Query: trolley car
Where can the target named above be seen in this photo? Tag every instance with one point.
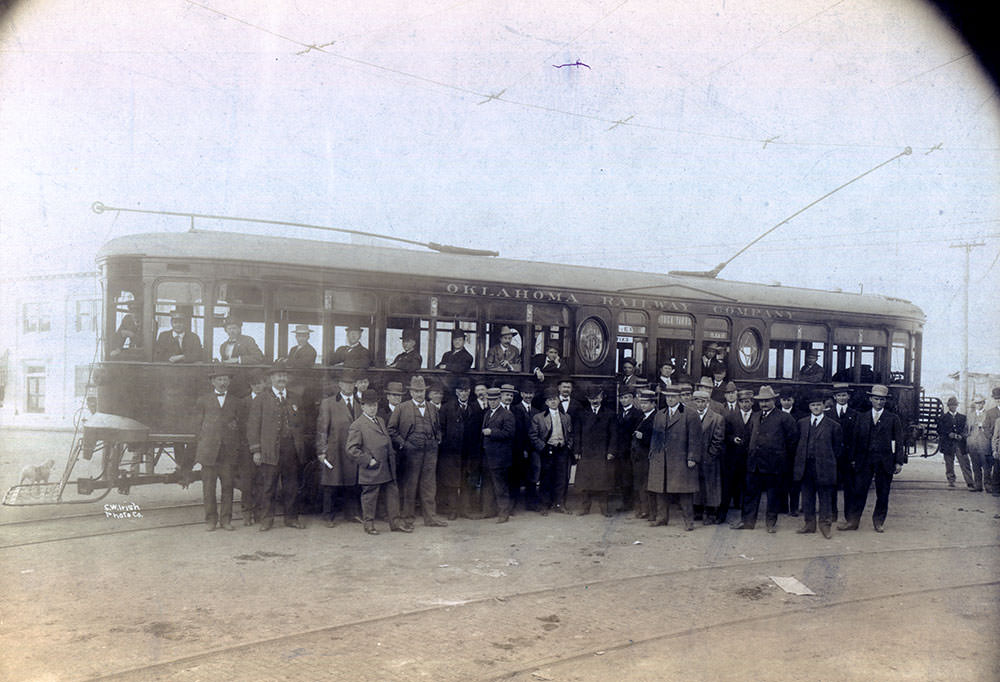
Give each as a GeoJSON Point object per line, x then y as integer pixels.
{"type": "Point", "coordinates": [597, 317]}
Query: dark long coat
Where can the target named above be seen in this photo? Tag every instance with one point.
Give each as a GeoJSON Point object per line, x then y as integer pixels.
{"type": "Point", "coordinates": [221, 430]}
{"type": "Point", "coordinates": [365, 440]}
{"type": "Point", "coordinates": [827, 444]}
{"type": "Point", "coordinates": [713, 443]}
{"type": "Point", "coordinates": [772, 442]}
{"type": "Point", "coordinates": [676, 440]}
{"type": "Point", "coordinates": [460, 434]}
{"type": "Point", "coordinates": [332, 424]}
{"type": "Point", "coordinates": [498, 446]}
{"type": "Point", "coordinates": [595, 438]}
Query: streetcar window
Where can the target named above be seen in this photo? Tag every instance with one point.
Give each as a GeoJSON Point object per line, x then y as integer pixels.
{"type": "Point", "coordinates": [454, 313]}
{"type": "Point", "coordinates": [348, 328]}
{"type": "Point", "coordinates": [351, 345]}
{"type": "Point", "coordinates": [632, 342]}
{"type": "Point", "coordinates": [242, 303]}
{"type": "Point", "coordinates": [675, 341]}
{"type": "Point", "coordinates": [791, 350]}
{"type": "Point", "coordinates": [780, 360]}
{"type": "Point", "coordinates": [299, 318]}
{"type": "Point", "coordinates": [859, 355]}
{"type": "Point", "coordinates": [715, 347]}
{"type": "Point", "coordinates": [443, 341]}
{"type": "Point", "coordinates": [898, 370]}
{"type": "Point", "coordinates": [183, 297]}
{"type": "Point", "coordinates": [125, 323]}
{"type": "Point", "coordinates": [400, 333]}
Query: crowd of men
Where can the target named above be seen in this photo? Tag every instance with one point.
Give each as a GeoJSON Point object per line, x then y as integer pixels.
{"type": "Point", "coordinates": [974, 440]}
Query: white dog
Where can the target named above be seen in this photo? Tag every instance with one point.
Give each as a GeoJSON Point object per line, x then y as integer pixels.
{"type": "Point", "coordinates": [36, 475]}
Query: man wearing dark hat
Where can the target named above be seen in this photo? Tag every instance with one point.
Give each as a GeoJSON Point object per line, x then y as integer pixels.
{"type": "Point", "coordinates": [410, 359]}
{"type": "Point", "coordinates": [392, 399]}
{"type": "Point", "coordinates": [504, 356]}
{"type": "Point", "coordinates": [498, 435]}
{"type": "Point", "coordinates": [460, 438]}
{"type": "Point", "coordinates": [415, 431]}
{"type": "Point", "coordinates": [457, 360]}
{"type": "Point", "coordinates": [221, 420]}
{"type": "Point", "coordinates": [628, 376]}
{"type": "Point", "coordinates": [177, 344]}
{"type": "Point", "coordinates": [238, 348]}
{"type": "Point", "coordinates": [625, 417]}
{"type": "Point", "coordinates": [674, 454]}
{"type": "Point", "coordinates": [789, 502]}
{"type": "Point", "coordinates": [711, 446]}
{"type": "Point", "coordinates": [640, 439]}
{"type": "Point", "coordinates": [526, 466]}
{"type": "Point", "coordinates": [821, 441]}
{"type": "Point", "coordinates": [275, 437]}
{"type": "Point", "coordinates": [338, 469]}
{"type": "Point", "coordinates": [734, 460]}
{"type": "Point", "coordinates": [952, 429]}
{"type": "Point", "coordinates": [551, 434]}
{"type": "Point", "coordinates": [878, 452]}
{"type": "Point", "coordinates": [352, 355]}
{"type": "Point", "coordinates": [812, 371]}
{"type": "Point", "coordinates": [773, 437]}
{"type": "Point", "coordinates": [846, 416]}
{"type": "Point", "coordinates": [302, 354]}
{"type": "Point", "coordinates": [595, 452]}
{"type": "Point", "coordinates": [369, 444]}
{"type": "Point", "coordinates": [725, 395]}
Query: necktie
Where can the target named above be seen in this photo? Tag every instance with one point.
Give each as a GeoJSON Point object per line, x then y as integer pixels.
{"type": "Point", "coordinates": [815, 421]}
{"type": "Point", "coordinates": [595, 410]}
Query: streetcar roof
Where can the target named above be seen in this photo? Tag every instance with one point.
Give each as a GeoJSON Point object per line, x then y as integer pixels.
{"type": "Point", "coordinates": [200, 245]}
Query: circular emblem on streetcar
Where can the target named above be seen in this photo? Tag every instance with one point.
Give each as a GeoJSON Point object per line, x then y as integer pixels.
{"type": "Point", "coordinates": [592, 341]}
{"type": "Point", "coordinates": [748, 350]}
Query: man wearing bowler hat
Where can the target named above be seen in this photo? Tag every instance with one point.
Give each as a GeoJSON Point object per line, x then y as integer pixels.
{"type": "Point", "coordinates": [846, 416]}
{"type": "Point", "coordinates": [220, 420]}
{"type": "Point", "coordinates": [302, 354]}
{"type": "Point", "coordinates": [409, 360]}
{"type": "Point", "coordinates": [734, 460]}
{"type": "Point", "coordinates": [504, 356]}
{"type": "Point", "coordinates": [952, 429]}
{"type": "Point", "coordinates": [878, 452]}
{"type": "Point", "coordinates": [461, 424]}
{"type": "Point", "coordinates": [238, 348]}
{"type": "Point", "coordinates": [821, 440]}
{"type": "Point", "coordinates": [457, 360]}
{"type": "Point", "coordinates": [177, 344]}
{"type": "Point", "coordinates": [812, 371]}
{"type": "Point", "coordinates": [352, 355]}
{"type": "Point", "coordinates": [416, 432]}
{"type": "Point", "coordinates": [338, 469]}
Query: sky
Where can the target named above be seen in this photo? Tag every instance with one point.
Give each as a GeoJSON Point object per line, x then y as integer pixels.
{"type": "Point", "coordinates": [637, 134]}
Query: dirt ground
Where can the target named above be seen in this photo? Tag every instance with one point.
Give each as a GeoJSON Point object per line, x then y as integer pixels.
{"type": "Point", "coordinates": [540, 598]}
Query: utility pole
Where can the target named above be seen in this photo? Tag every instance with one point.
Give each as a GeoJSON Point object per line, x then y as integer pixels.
{"type": "Point", "coordinates": [963, 376]}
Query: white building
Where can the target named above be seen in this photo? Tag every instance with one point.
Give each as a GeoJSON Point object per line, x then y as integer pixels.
{"type": "Point", "coordinates": [49, 328]}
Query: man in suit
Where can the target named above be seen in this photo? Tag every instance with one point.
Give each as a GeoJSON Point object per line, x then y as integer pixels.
{"type": "Point", "coordinates": [246, 473]}
{"type": "Point", "coordinates": [674, 453]}
{"type": "Point", "coordinates": [219, 419]}
{"type": "Point", "coordinates": [498, 436]}
{"type": "Point", "coordinates": [789, 502]}
{"type": "Point", "coordinates": [416, 432]}
{"type": "Point", "coordinates": [708, 385]}
{"type": "Point", "coordinates": [773, 437]}
{"type": "Point", "coordinates": [952, 429]}
{"type": "Point", "coordinates": [526, 467]}
{"type": "Point", "coordinates": [457, 360]}
{"type": "Point", "coordinates": [238, 348]}
{"type": "Point", "coordinates": [338, 469]}
{"type": "Point", "coordinates": [711, 446]}
{"type": "Point", "coordinates": [624, 426]}
{"type": "Point", "coordinates": [275, 437]}
{"type": "Point", "coordinates": [352, 355]}
{"type": "Point", "coordinates": [821, 441]}
{"type": "Point", "coordinates": [724, 393]}
{"type": "Point", "coordinates": [978, 443]}
{"type": "Point", "coordinates": [177, 344]}
{"type": "Point", "coordinates": [391, 400]}
{"type": "Point", "coordinates": [504, 356]}
{"type": "Point", "coordinates": [846, 416]}
{"type": "Point", "coordinates": [628, 376]}
{"type": "Point", "coordinates": [877, 451]}
{"type": "Point", "coordinates": [551, 434]}
{"type": "Point", "coordinates": [302, 354]}
{"type": "Point", "coordinates": [549, 367]}
{"type": "Point", "coordinates": [640, 439]}
{"type": "Point", "coordinates": [461, 424]}
{"type": "Point", "coordinates": [410, 359]}
{"type": "Point", "coordinates": [991, 475]}
{"type": "Point", "coordinates": [812, 371]}
{"type": "Point", "coordinates": [369, 445]}
{"type": "Point", "coordinates": [596, 447]}
{"type": "Point", "coordinates": [734, 461]}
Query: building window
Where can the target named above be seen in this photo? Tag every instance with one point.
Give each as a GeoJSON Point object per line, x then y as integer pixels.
{"type": "Point", "coordinates": [81, 379]}
{"type": "Point", "coordinates": [37, 318]}
{"type": "Point", "coordinates": [35, 388]}
{"type": "Point", "coordinates": [86, 316]}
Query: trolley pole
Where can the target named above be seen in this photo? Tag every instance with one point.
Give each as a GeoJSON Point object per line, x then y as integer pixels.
{"type": "Point", "coordinates": [963, 376]}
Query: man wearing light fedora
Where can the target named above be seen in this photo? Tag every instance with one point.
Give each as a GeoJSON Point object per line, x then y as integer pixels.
{"type": "Point", "coordinates": [302, 354]}
{"type": "Point", "coordinates": [504, 356]}
{"type": "Point", "coordinates": [416, 432]}
{"type": "Point", "coordinates": [878, 452]}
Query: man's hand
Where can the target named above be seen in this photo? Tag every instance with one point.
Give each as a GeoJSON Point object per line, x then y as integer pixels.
{"type": "Point", "coordinates": [257, 458]}
{"type": "Point", "coordinates": [691, 464]}
{"type": "Point", "coordinates": [899, 467]}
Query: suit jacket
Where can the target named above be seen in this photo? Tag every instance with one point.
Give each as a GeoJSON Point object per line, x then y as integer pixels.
{"type": "Point", "coordinates": [498, 446]}
{"type": "Point", "coordinates": [594, 439]}
{"type": "Point", "coordinates": [847, 422]}
{"type": "Point", "coordinates": [712, 446]}
{"type": "Point", "coordinates": [540, 430]}
{"type": "Point", "coordinates": [497, 354]}
{"type": "Point", "coordinates": [643, 426]}
{"type": "Point", "coordinates": [873, 442]}
{"type": "Point", "coordinates": [676, 440]}
{"type": "Point", "coordinates": [366, 440]}
{"type": "Point", "coordinates": [522, 422]}
{"type": "Point", "coordinates": [990, 423]}
{"type": "Point", "coordinates": [457, 361]}
{"type": "Point", "coordinates": [302, 356]}
{"type": "Point", "coordinates": [625, 422]}
{"type": "Point", "coordinates": [952, 430]}
{"type": "Point", "coordinates": [332, 423]}
{"type": "Point", "coordinates": [221, 430]}
{"type": "Point", "coordinates": [736, 453]}
{"type": "Point", "coordinates": [825, 443]}
{"type": "Point", "coordinates": [263, 424]}
{"type": "Point", "coordinates": [356, 357]}
{"type": "Point", "coordinates": [404, 419]}
{"type": "Point", "coordinates": [244, 350]}
{"type": "Point", "coordinates": [407, 362]}
{"type": "Point", "coordinates": [978, 441]}
{"type": "Point", "coordinates": [166, 346]}
{"type": "Point", "coordinates": [772, 442]}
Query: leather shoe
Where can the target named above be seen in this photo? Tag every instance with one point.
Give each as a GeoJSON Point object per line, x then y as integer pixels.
{"type": "Point", "coordinates": [370, 529]}
{"type": "Point", "coordinates": [294, 524]}
{"type": "Point", "coordinates": [847, 525]}
{"type": "Point", "coordinates": [739, 525]}
{"type": "Point", "coordinates": [266, 525]}
{"type": "Point", "coordinates": [657, 522]}
{"type": "Point", "coordinates": [772, 529]}
{"type": "Point", "coordinates": [397, 528]}
{"type": "Point", "coordinates": [689, 525]}
{"type": "Point", "coordinates": [210, 526]}
{"type": "Point", "coordinates": [330, 524]}
{"type": "Point", "coordinates": [435, 523]}
{"type": "Point", "coordinates": [825, 530]}
{"type": "Point", "coordinates": [558, 509]}
{"type": "Point", "coordinates": [805, 529]}
{"type": "Point", "coordinates": [227, 526]}
{"type": "Point", "coordinates": [248, 520]}
{"type": "Point", "coordinates": [452, 516]}
{"type": "Point", "coordinates": [878, 528]}
{"type": "Point", "coordinates": [503, 518]}
{"type": "Point", "coordinates": [708, 521]}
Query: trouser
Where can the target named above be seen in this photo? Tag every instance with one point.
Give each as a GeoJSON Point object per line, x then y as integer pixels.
{"type": "Point", "coordinates": [810, 489]}
{"type": "Point", "coordinates": [733, 477]}
{"type": "Point", "coordinates": [992, 479]}
{"type": "Point", "coordinates": [859, 497]}
{"type": "Point", "coordinates": [661, 503]}
{"type": "Point", "coordinates": [758, 483]}
{"type": "Point", "coordinates": [963, 463]}
{"type": "Point", "coordinates": [640, 479]}
{"type": "Point", "coordinates": [518, 474]}
{"type": "Point", "coordinates": [286, 471]}
{"type": "Point", "coordinates": [223, 473]}
{"type": "Point", "coordinates": [590, 495]}
{"type": "Point", "coordinates": [977, 460]}
{"type": "Point", "coordinates": [471, 492]}
{"type": "Point", "coordinates": [369, 501]}
{"type": "Point", "coordinates": [419, 477]}
{"type": "Point", "coordinates": [341, 497]}
{"type": "Point", "coordinates": [534, 476]}
{"type": "Point", "coordinates": [496, 494]}
{"type": "Point", "coordinates": [624, 480]}
{"type": "Point", "coordinates": [554, 475]}
{"type": "Point", "coordinates": [844, 475]}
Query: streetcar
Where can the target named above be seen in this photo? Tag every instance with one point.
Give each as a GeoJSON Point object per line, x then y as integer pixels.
{"type": "Point", "coordinates": [598, 318]}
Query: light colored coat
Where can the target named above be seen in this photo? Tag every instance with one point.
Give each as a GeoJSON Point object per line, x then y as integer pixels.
{"type": "Point", "coordinates": [713, 442]}
{"type": "Point", "coordinates": [332, 424]}
{"type": "Point", "coordinates": [676, 440]}
{"type": "Point", "coordinates": [367, 440]}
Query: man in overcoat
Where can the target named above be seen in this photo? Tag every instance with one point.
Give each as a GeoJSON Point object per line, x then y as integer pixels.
{"type": "Point", "coordinates": [674, 454]}
{"type": "Point", "coordinates": [711, 444]}
{"type": "Point", "coordinates": [953, 429]}
{"type": "Point", "coordinates": [274, 434]}
{"type": "Point", "coordinates": [641, 437]}
{"type": "Point", "coordinates": [624, 426]}
{"type": "Point", "coordinates": [877, 452]}
{"type": "Point", "coordinates": [596, 443]}
{"type": "Point", "coordinates": [338, 469]}
{"type": "Point", "coordinates": [551, 434]}
{"type": "Point", "coordinates": [773, 437]}
{"type": "Point", "coordinates": [220, 421]}
{"type": "Point", "coordinates": [416, 432]}
{"type": "Point", "coordinates": [460, 427]}
{"type": "Point", "coordinates": [498, 437]}
{"type": "Point", "coordinates": [369, 444]}
{"type": "Point", "coordinates": [734, 460]}
{"type": "Point", "coordinates": [821, 441]}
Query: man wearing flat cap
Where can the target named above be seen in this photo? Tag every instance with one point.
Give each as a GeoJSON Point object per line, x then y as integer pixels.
{"type": "Point", "coordinates": [878, 452]}
{"type": "Point", "coordinates": [353, 354]}
{"type": "Point", "coordinates": [220, 421]}
{"type": "Point", "coordinates": [952, 429]}
{"type": "Point", "coordinates": [415, 430]}
{"type": "Point", "coordinates": [238, 348]}
{"type": "Point", "coordinates": [302, 354]}
{"type": "Point", "coordinates": [457, 360]}
{"type": "Point", "coordinates": [177, 344]}
{"type": "Point", "coordinates": [504, 356]}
